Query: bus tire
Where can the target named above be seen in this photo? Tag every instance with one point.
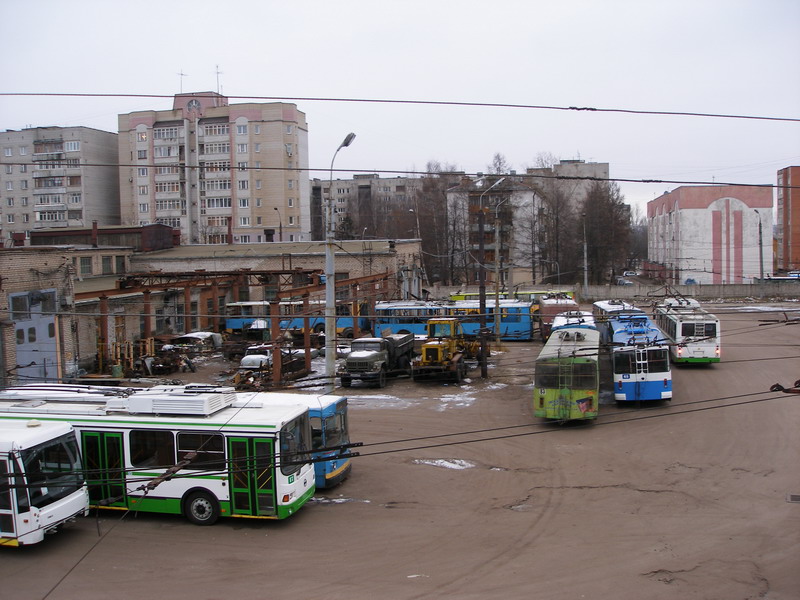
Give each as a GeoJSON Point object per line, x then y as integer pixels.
{"type": "Point", "coordinates": [348, 333]}
{"type": "Point", "coordinates": [346, 382]}
{"type": "Point", "coordinates": [201, 508]}
{"type": "Point", "coordinates": [319, 327]}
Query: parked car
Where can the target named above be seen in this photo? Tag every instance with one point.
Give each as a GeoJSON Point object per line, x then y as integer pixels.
{"type": "Point", "coordinates": [629, 274]}
{"type": "Point", "coordinates": [623, 281]}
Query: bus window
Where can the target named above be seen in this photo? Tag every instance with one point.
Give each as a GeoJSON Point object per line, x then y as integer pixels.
{"type": "Point", "coordinates": [624, 361]}
{"type": "Point", "coordinates": [151, 448]}
{"type": "Point", "coordinates": [209, 449]}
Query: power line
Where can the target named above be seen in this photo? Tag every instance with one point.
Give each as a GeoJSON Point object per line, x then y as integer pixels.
{"type": "Point", "coordinates": [426, 103]}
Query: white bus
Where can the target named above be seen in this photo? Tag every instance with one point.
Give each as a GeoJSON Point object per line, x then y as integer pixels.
{"type": "Point", "coordinates": [41, 480]}
{"type": "Point", "coordinates": [692, 331]}
{"type": "Point", "coordinates": [192, 450]}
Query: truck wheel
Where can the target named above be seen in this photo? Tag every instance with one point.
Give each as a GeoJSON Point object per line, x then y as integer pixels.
{"type": "Point", "coordinates": [382, 378]}
{"type": "Point", "coordinates": [346, 382]}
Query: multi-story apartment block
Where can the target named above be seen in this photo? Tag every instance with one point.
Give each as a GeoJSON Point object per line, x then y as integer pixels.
{"type": "Point", "coordinates": [368, 206]}
{"type": "Point", "coordinates": [57, 177]}
{"type": "Point", "coordinates": [569, 180]}
{"type": "Point", "coordinates": [217, 172]}
{"type": "Point", "coordinates": [787, 230]}
{"type": "Point", "coordinates": [711, 234]}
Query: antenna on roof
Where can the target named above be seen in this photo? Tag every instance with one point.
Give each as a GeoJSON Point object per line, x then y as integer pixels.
{"type": "Point", "coordinates": [218, 74]}
{"type": "Point", "coordinates": [181, 74]}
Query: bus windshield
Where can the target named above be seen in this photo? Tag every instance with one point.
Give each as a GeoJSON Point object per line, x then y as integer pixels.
{"type": "Point", "coordinates": [296, 440]}
{"type": "Point", "coordinates": [53, 470]}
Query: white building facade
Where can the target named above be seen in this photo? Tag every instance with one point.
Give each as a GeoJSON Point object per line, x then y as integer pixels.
{"type": "Point", "coordinates": [710, 235]}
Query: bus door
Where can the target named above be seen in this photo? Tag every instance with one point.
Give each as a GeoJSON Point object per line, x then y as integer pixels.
{"type": "Point", "coordinates": [8, 500]}
{"type": "Point", "coordinates": [252, 476]}
{"type": "Point", "coordinates": [641, 372]}
{"type": "Point", "coordinates": [105, 472]}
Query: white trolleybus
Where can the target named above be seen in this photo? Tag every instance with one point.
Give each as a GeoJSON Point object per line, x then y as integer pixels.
{"type": "Point", "coordinates": [692, 331]}
{"type": "Point", "coordinates": [41, 479]}
{"type": "Point", "coordinates": [192, 450]}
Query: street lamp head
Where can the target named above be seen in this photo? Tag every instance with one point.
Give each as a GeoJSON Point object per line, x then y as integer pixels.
{"type": "Point", "coordinates": [347, 140]}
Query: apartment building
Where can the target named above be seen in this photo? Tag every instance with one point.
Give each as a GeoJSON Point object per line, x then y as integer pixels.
{"type": "Point", "coordinates": [57, 177]}
{"type": "Point", "coordinates": [569, 180]}
{"type": "Point", "coordinates": [217, 172]}
{"type": "Point", "coordinates": [787, 230]}
{"type": "Point", "coordinates": [368, 206]}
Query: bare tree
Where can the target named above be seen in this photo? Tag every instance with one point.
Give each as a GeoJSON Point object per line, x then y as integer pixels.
{"type": "Point", "coordinates": [499, 165]}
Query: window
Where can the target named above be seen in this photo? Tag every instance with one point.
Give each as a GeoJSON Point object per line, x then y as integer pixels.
{"type": "Point", "coordinates": [141, 154]}
{"type": "Point", "coordinates": [9, 169]}
{"type": "Point", "coordinates": [120, 262]}
{"type": "Point", "coordinates": [165, 151]}
{"type": "Point", "coordinates": [241, 129]}
{"type": "Point", "coordinates": [75, 198]}
{"type": "Point", "coordinates": [243, 184]}
{"type": "Point", "coordinates": [258, 220]}
{"type": "Point", "coordinates": [141, 136]}
{"type": "Point", "coordinates": [23, 185]}
{"type": "Point", "coordinates": [167, 170]}
{"type": "Point", "coordinates": [244, 221]}
{"type": "Point", "coordinates": [258, 202]}
{"type": "Point", "coordinates": [291, 220]}
{"type": "Point", "coordinates": [165, 133]}
{"type": "Point", "coordinates": [241, 148]}
{"type": "Point", "coordinates": [290, 202]}
{"type": "Point", "coordinates": [257, 147]}
{"type": "Point", "coordinates": [86, 265]}
{"type": "Point", "coordinates": [217, 166]}
{"type": "Point", "coordinates": [167, 187]}
{"type": "Point", "coordinates": [288, 149]}
{"type": "Point", "coordinates": [23, 168]}
{"type": "Point", "coordinates": [144, 190]}
{"type": "Point", "coordinates": [22, 152]}
{"type": "Point", "coordinates": [242, 165]}
{"type": "Point", "coordinates": [245, 239]}
{"type": "Point", "coordinates": [9, 185]}
{"type": "Point", "coordinates": [217, 221]}
{"type": "Point", "coordinates": [144, 207]}
{"type": "Point", "coordinates": [8, 151]}
{"type": "Point", "coordinates": [218, 202]}
{"type": "Point", "coordinates": [257, 129]}
{"type": "Point", "coordinates": [152, 448]}
{"type": "Point", "coordinates": [50, 215]}
{"type": "Point", "coordinates": [26, 218]}
{"type": "Point", "coordinates": [244, 202]}
{"type": "Point", "coordinates": [72, 146]}
{"type": "Point", "coordinates": [170, 204]}
{"type": "Point", "coordinates": [173, 222]}
{"type": "Point", "coordinates": [24, 201]}
{"type": "Point", "coordinates": [108, 265]}
{"type": "Point", "coordinates": [289, 129]}
{"type": "Point", "coordinates": [258, 184]}
{"type": "Point", "coordinates": [9, 202]}
{"type": "Point", "coordinates": [290, 184]}
{"type": "Point", "coordinates": [219, 148]}
{"type": "Point", "coordinates": [217, 129]}
{"type": "Point", "coordinates": [142, 171]}
{"type": "Point", "coordinates": [9, 218]}
{"type": "Point", "coordinates": [213, 185]}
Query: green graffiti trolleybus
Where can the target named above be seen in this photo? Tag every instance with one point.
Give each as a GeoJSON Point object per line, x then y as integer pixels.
{"type": "Point", "coordinates": [184, 450]}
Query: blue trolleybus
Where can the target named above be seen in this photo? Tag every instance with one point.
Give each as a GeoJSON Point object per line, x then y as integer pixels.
{"type": "Point", "coordinates": [640, 364]}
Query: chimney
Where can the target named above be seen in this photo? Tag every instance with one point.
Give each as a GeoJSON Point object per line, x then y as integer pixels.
{"type": "Point", "coordinates": [94, 234]}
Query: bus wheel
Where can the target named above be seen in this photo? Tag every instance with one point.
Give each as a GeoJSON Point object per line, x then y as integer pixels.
{"type": "Point", "coordinates": [319, 328]}
{"type": "Point", "coordinates": [346, 382]}
{"type": "Point", "coordinates": [201, 508]}
{"type": "Point", "coordinates": [348, 333]}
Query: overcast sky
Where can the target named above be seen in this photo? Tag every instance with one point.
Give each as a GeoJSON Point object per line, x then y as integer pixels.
{"type": "Point", "coordinates": [706, 56]}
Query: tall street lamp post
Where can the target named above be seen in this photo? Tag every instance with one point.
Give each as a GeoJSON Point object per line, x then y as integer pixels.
{"type": "Point", "coordinates": [330, 279]}
{"type": "Point", "coordinates": [482, 278]}
{"type": "Point", "coordinates": [585, 259]}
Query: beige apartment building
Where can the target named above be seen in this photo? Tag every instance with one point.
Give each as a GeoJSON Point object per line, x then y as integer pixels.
{"type": "Point", "coordinates": [217, 172]}
{"type": "Point", "coordinates": [57, 177]}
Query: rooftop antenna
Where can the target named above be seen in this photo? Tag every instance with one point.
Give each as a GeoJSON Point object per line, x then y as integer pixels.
{"type": "Point", "coordinates": [182, 75]}
{"type": "Point", "coordinates": [218, 74]}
